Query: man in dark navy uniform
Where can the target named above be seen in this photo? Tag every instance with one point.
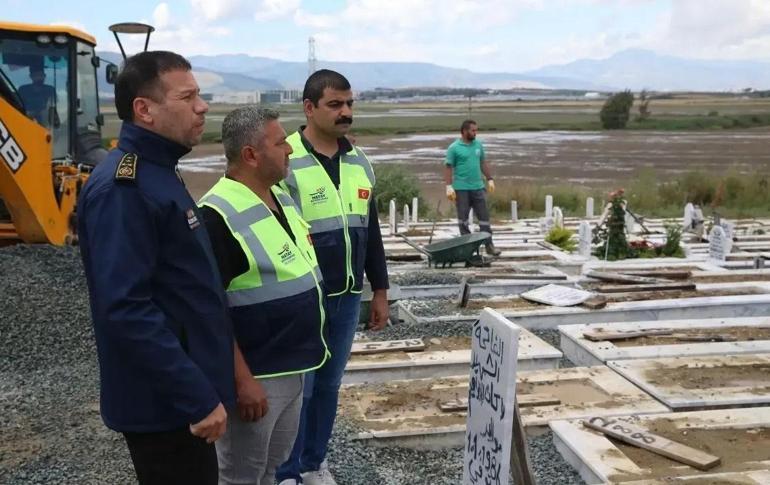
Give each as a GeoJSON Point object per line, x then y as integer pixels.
{"type": "Point", "coordinates": [163, 334]}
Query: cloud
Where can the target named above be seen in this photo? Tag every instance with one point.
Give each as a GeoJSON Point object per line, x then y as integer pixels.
{"type": "Point", "coordinates": [161, 16]}
{"type": "Point", "coordinates": [213, 10]}
{"type": "Point", "coordinates": [275, 9]}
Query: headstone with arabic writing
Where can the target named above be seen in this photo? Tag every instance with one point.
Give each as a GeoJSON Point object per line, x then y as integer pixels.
{"type": "Point", "coordinates": [584, 239]}
{"type": "Point", "coordinates": [491, 396]}
{"type": "Point", "coordinates": [717, 244]}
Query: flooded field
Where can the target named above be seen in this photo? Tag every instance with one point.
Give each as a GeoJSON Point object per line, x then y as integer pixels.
{"type": "Point", "coordinates": [549, 157]}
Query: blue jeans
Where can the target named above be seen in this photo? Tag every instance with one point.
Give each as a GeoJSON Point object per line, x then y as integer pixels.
{"type": "Point", "coordinates": [319, 401]}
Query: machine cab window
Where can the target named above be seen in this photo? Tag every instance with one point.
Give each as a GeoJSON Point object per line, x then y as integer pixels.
{"type": "Point", "coordinates": [36, 80]}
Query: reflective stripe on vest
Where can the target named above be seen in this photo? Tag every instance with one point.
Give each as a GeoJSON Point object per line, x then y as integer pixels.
{"type": "Point", "coordinates": [240, 222]}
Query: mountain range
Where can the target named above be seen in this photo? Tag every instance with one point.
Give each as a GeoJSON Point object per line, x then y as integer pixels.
{"type": "Point", "coordinates": [634, 69]}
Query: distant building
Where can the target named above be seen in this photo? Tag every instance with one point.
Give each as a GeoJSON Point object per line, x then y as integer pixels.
{"type": "Point", "coordinates": [281, 96]}
{"type": "Point", "coordinates": [237, 97]}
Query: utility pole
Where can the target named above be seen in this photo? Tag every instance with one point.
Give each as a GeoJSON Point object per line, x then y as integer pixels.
{"type": "Point", "coordinates": [311, 60]}
{"type": "Point", "coordinates": [470, 104]}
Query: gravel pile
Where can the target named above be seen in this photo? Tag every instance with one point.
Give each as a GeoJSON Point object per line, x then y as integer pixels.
{"type": "Point", "coordinates": [49, 414]}
{"type": "Point", "coordinates": [354, 464]}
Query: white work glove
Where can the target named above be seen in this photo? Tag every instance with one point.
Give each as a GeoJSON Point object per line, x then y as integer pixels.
{"type": "Point", "coordinates": [490, 186]}
{"type": "Point", "coordinates": [450, 193]}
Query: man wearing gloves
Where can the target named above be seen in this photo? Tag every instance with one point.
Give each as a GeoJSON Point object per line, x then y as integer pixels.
{"type": "Point", "coordinates": [464, 165]}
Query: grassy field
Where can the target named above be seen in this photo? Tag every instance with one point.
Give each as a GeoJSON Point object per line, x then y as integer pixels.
{"type": "Point", "coordinates": [689, 113]}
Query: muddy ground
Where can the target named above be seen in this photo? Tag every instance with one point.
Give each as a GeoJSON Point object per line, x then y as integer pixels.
{"type": "Point", "coordinates": [593, 159]}
{"type": "Point", "coordinates": [738, 448]}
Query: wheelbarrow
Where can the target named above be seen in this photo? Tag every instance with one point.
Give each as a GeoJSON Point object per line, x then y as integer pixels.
{"type": "Point", "coordinates": [460, 249]}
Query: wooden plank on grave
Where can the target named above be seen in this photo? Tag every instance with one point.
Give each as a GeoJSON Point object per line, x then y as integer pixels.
{"type": "Point", "coordinates": [602, 336]}
{"type": "Point", "coordinates": [665, 274]}
{"type": "Point", "coordinates": [642, 438]}
{"type": "Point", "coordinates": [379, 347]}
{"type": "Point", "coordinates": [623, 278]}
{"type": "Point", "coordinates": [524, 400]}
{"type": "Point", "coordinates": [646, 287]}
{"type": "Point", "coordinates": [701, 337]}
{"type": "Point", "coordinates": [521, 466]}
{"type": "Point", "coordinates": [596, 302]}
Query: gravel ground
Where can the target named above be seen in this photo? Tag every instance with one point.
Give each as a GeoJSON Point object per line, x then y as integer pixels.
{"type": "Point", "coordinates": [415, 278]}
{"type": "Point", "coordinates": [49, 419]}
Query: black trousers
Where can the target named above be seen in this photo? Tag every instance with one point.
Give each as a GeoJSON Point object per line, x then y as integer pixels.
{"type": "Point", "coordinates": [476, 199]}
{"type": "Point", "coordinates": [172, 457]}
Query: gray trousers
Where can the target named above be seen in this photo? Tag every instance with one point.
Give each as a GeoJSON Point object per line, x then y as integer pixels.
{"type": "Point", "coordinates": [476, 199]}
{"type": "Point", "coordinates": [249, 452]}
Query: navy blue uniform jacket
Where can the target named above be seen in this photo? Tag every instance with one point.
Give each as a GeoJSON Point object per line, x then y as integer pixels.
{"type": "Point", "coordinates": [163, 334]}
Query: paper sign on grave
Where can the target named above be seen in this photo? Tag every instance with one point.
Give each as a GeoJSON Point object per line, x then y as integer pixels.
{"type": "Point", "coordinates": [558, 217]}
{"type": "Point", "coordinates": [689, 210]}
{"type": "Point", "coordinates": [717, 244]}
{"type": "Point", "coordinates": [491, 396]}
{"type": "Point", "coordinates": [584, 239]}
{"type": "Point", "coordinates": [546, 224]}
{"type": "Point", "coordinates": [557, 295]}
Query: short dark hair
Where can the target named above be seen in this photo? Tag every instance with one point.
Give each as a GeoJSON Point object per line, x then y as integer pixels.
{"type": "Point", "coordinates": [467, 124]}
{"type": "Point", "coordinates": [140, 77]}
{"type": "Point", "coordinates": [320, 80]}
{"type": "Point", "coordinates": [244, 126]}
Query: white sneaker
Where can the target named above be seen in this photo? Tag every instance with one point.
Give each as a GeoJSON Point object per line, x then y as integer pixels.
{"type": "Point", "coordinates": [288, 481]}
{"type": "Point", "coordinates": [321, 477]}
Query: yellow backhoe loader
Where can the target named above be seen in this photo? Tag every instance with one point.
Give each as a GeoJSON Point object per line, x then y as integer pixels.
{"type": "Point", "coordinates": [50, 127]}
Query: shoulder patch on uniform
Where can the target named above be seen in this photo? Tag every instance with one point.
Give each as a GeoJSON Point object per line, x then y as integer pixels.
{"type": "Point", "coordinates": [127, 167]}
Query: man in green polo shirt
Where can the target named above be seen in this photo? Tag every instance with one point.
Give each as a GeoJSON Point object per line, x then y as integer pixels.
{"type": "Point", "coordinates": [465, 163]}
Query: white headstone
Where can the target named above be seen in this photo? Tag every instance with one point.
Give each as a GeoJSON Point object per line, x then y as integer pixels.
{"type": "Point", "coordinates": [514, 211]}
{"type": "Point", "coordinates": [717, 244]}
{"type": "Point", "coordinates": [392, 217]}
{"type": "Point", "coordinates": [590, 207]}
{"type": "Point", "coordinates": [584, 238]}
{"type": "Point", "coordinates": [406, 217]}
{"type": "Point", "coordinates": [630, 223]}
{"type": "Point", "coordinates": [558, 217]}
{"type": "Point", "coordinates": [548, 206]}
{"type": "Point", "coordinates": [415, 207]}
{"type": "Point", "coordinates": [491, 394]}
{"type": "Point", "coordinates": [689, 211]}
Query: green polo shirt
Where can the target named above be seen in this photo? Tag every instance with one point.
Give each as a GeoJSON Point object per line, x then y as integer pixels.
{"type": "Point", "coordinates": [465, 160]}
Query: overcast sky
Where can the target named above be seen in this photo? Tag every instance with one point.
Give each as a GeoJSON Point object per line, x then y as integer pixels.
{"type": "Point", "coordinates": [492, 35]}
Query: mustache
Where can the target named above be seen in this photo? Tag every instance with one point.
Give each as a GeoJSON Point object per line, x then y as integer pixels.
{"type": "Point", "coordinates": [344, 120]}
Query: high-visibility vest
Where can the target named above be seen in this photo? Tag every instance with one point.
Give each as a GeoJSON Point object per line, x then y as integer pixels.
{"type": "Point", "coordinates": [283, 277]}
{"type": "Point", "coordinates": [338, 218]}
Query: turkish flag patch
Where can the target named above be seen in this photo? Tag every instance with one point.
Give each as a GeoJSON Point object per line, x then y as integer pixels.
{"type": "Point", "coordinates": [363, 194]}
